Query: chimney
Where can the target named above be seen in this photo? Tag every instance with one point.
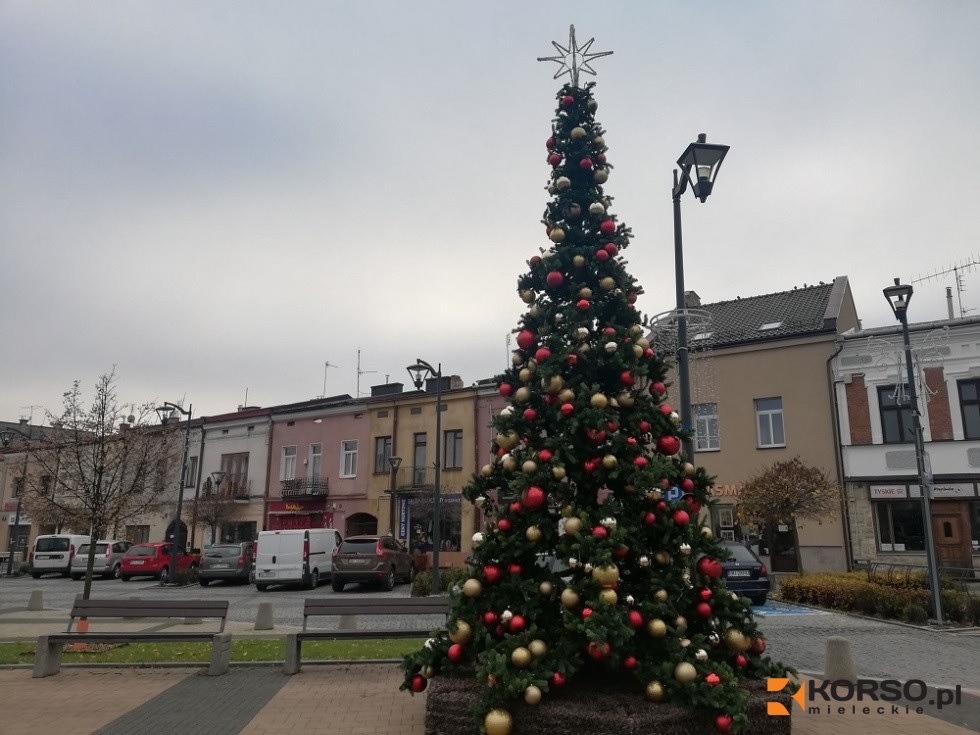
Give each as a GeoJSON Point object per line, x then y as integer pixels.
{"type": "Point", "coordinates": [23, 421]}
{"type": "Point", "coordinates": [692, 300]}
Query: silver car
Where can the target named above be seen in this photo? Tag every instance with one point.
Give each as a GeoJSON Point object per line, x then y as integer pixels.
{"type": "Point", "coordinates": [108, 557]}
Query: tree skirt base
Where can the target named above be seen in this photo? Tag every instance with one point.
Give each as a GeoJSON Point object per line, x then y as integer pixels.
{"type": "Point", "coordinates": [589, 709]}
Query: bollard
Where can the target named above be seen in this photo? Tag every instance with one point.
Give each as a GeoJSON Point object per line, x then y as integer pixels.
{"type": "Point", "coordinates": [840, 663]}
{"type": "Point", "coordinates": [263, 618]}
{"type": "Point", "coordinates": [37, 600]}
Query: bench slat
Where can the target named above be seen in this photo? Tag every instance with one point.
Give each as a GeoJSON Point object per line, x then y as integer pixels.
{"type": "Point", "coordinates": [129, 637]}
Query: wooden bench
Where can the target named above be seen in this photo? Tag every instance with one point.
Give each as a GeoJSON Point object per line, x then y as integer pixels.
{"type": "Point", "coordinates": [349, 609]}
{"type": "Point", "coordinates": [47, 659]}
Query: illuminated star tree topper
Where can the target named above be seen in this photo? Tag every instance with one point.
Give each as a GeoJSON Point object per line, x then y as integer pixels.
{"type": "Point", "coordinates": [574, 58]}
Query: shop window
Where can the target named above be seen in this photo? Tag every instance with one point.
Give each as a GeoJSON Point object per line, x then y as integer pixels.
{"type": "Point", "coordinates": [420, 523]}
{"type": "Point", "coordinates": [900, 526]}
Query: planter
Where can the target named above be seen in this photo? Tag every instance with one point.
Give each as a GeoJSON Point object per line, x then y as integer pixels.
{"type": "Point", "coordinates": [591, 709]}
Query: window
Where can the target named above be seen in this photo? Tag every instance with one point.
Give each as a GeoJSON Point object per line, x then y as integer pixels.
{"type": "Point", "coordinates": [190, 479]}
{"type": "Point", "coordinates": [452, 457]}
{"type": "Point", "coordinates": [382, 451]}
{"type": "Point", "coordinates": [348, 458]}
{"type": "Point", "coordinates": [418, 459]}
{"type": "Point", "coordinates": [970, 407]}
{"type": "Point", "coordinates": [900, 526]}
{"type": "Point", "coordinates": [235, 467]}
{"type": "Point", "coordinates": [769, 422]}
{"type": "Point", "coordinates": [316, 461]}
{"type": "Point", "coordinates": [418, 524]}
{"type": "Point", "coordinates": [138, 534]}
{"type": "Point", "coordinates": [896, 414]}
{"type": "Point", "coordinates": [706, 427]}
{"type": "Point", "coordinates": [287, 468]}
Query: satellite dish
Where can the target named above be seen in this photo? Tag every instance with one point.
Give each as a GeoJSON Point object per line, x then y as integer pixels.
{"type": "Point", "coordinates": [131, 419]}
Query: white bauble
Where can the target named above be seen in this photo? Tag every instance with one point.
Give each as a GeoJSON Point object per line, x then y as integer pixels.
{"type": "Point", "coordinates": [611, 347]}
{"type": "Point", "coordinates": [477, 539]}
{"type": "Point", "coordinates": [596, 209]}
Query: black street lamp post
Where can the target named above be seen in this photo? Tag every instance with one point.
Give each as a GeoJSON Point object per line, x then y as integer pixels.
{"type": "Point", "coordinates": [419, 372]}
{"type": "Point", "coordinates": [166, 412]}
{"type": "Point", "coordinates": [6, 436]}
{"type": "Point", "coordinates": [218, 476]}
{"type": "Point", "coordinates": [898, 297]}
{"type": "Point", "coordinates": [394, 463]}
{"type": "Point", "coordinates": [703, 160]}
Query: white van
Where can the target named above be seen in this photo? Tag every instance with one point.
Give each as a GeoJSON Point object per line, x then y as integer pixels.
{"type": "Point", "coordinates": [295, 556]}
{"type": "Point", "coordinates": [54, 552]}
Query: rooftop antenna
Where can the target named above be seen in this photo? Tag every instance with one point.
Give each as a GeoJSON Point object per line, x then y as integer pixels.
{"type": "Point", "coordinates": [360, 373]}
{"type": "Point", "coordinates": [957, 270]}
{"type": "Point", "coordinates": [325, 366]}
{"type": "Point", "coordinates": [30, 417]}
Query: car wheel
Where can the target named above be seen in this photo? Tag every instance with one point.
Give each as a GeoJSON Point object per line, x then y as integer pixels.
{"type": "Point", "coordinates": [164, 575]}
{"type": "Point", "coordinates": [204, 582]}
{"type": "Point", "coordinates": [314, 580]}
{"type": "Point", "coordinates": [759, 600]}
{"type": "Point", "coordinates": [389, 582]}
{"type": "Point", "coordinates": [114, 574]}
{"type": "Point", "coordinates": [124, 577]}
{"type": "Point", "coordinates": [411, 574]}
{"type": "Point", "coordinates": [261, 587]}
{"type": "Point", "coordinates": [76, 577]}
{"type": "Point", "coordinates": [36, 575]}
{"type": "Point", "coordinates": [337, 584]}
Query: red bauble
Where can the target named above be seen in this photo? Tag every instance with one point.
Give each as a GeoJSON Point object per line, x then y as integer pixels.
{"type": "Point", "coordinates": [534, 498]}
{"type": "Point", "coordinates": [640, 461]}
{"type": "Point", "coordinates": [687, 484]}
{"type": "Point", "coordinates": [515, 506]}
{"type": "Point", "coordinates": [758, 645]}
{"type": "Point", "coordinates": [586, 613]}
{"type": "Point", "coordinates": [554, 159]}
{"type": "Point", "coordinates": [710, 568]}
{"type": "Point", "coordinates": [455, 653]}
{"type": "Point", "coordinates": [601, 255]}
{"type": "Point", "coordinates": [612, 426]}
{"type": "Point", "coordinates": [668, 444]}
{"type": "Point", "coordinates": [489, 618]}
{"type": "Point", "coordinates": [585, 164]}
{"type": "Point", "coordinates": [530, 414]}
{"type": "Point", "coordinates": [703, 609]}
{"type": "Point", "coordinates": [631, 440]}
{"type": "Point", "coordinates": [598, 651]}
{"type": "Point", "coordinates": [583, 304]}
{"type": "Point", "coordinates": [499, 632]}
{"type": "Point", "coordinates": [609, 331]}
{"type": "Point", "coordinates": [516, 624]}
{"type": "Point", "coordinates": [600, 532]}
{"type": "Point", "coordinates": [620, 552]}
{"type": "Point", "coordinates": [649, 518]}
{"type": "Point", "coordinates": [741, 662]}
{"type": "Point", "coordinates": [554, 279]}
{"type": "Point", "coordinates": [644, 427]}
{"type": "Point", "coordinates": [694, 506]}
{"type": "Point", "coordinates": [503, 524]}
{"type": "Point", "coordinates": [535, 259]}
{"type": "Point", "coordinates": [610, 247]}
{"type": "Point", "coordinates": [626, 378]}
{"type": "Point", "coordinates": [658, 388]}
{"type": "Point", "coordinates": [557, 679]}
{"type": "Point", "coordinates": [514, 568]}
{"type": "Point", "coordinates": [712, 679]}
{"type": "Point", "coordinates": [544, 455]}
{"type": "Point", "coordinates": [723, 723]}
{"type": "Point", "coordinates": [630, 663]}
{"type": "Point", "coordinates": [636, 619]}
{"type": "Point", "coordinates": [567, 101]}
{"type": "Point", "coordinates": [506, 389]}
{"type": "Point", "coordinates": [608, 227]}
{"type": "Point", "coordinates": [542, 354]}
{"type": "Point", "coordinates": [572, 359]}
{"type": "Point", "coordinates": [550, 143]}
{"type": "Point", "coordinates": [705, 594]}
{"type": "Point", "coordinates": [681, 518]}
{"type": "Point", "coordinates": [661, 505]}
{"type": "Point", "coordinates": [589, 465]}
{"type": "Point", "coordinates": [567, 409]}
{"type": "Point", "coordinates": [491, 573]}
{"type": "Point", "coordinates": [648, 352]}
{"type": "Point", "coordinates": [526, 339]}
{"type": "Point", "coordinates": [419, 683]}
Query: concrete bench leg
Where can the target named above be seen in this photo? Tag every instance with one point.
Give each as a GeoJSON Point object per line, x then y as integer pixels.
{"type": "Point", "coordinates": [47, 657]}
{"type": "Point", "coordinates": [292, 654]}
{"type": "Point", "coordinates": [220, 654]}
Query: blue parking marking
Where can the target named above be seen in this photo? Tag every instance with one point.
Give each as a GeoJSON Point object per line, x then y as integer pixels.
{"type": "Point", "coordinates": [773, 608]}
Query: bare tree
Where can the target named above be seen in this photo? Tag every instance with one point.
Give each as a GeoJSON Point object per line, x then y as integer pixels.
{"type": "Point", "coordinates": [784, 493]}
{"type": "Point", "coordinates": [212, 508]}
{"type": "Point", "coordinates": [101, 466]}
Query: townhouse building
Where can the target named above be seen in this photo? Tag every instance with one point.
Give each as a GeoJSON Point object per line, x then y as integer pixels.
{"type": "Point", "coordinates": [884, 510]}
{"type": "Point", "coordinates": [761, 393]}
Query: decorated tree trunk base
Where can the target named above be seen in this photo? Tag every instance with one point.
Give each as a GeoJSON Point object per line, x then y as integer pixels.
{"type": "Point", "coordinates": [592, 708]}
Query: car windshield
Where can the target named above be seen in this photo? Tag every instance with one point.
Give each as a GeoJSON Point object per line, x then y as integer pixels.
{"type": "Point", "coordinates": [359, 546]}
{"type": "Point", "coordinates": [99, 549]}
{"type": "Point", "coordinates": [740, 553]}
{"type": "Point", "coordinates": [52, 544]}
{"type": "Point", "coordinates": [223, 551]}
{"type": "Point", "coordinates": [142, 551]}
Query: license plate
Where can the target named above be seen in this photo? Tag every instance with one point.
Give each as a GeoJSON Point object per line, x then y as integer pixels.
{"type": "Point", "coordinates": [739, 573]}
{"type": "Point", "coordinates": [357, 561]}
{"type": "Point", "coordinates": [137, 562]}
{"type": "Point", "coordinates": [219, 566]}
{"type": "Point", "coordinates": [266, 574]}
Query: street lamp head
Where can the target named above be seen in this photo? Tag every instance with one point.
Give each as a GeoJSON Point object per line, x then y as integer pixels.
{"type": "Point", "coordinates": [219, 476]}
{"type": "Point", "coordinates": [6, 436]}
{"type": "Point", "coordinates": [898, 297]}
{"type": "Point", "coordinates": [420, 371]}
{"type": "Point", "coordinates": [165, 412]}
{"type": "Point", "coordinates": [700, 163]}
{"type": "Point", "coordinates": [395, 463]}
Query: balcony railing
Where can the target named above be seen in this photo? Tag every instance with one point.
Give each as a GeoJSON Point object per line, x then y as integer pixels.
{"type": "Point", "coordinates": [414, 478]}
{"type": "Point", "coordinates": [304, 486]}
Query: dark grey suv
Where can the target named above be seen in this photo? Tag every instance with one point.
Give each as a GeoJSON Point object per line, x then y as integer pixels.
{"type": "Point", "coordinates": [231, 562]}
{"type": "Point", "coordinates": [371, 559]}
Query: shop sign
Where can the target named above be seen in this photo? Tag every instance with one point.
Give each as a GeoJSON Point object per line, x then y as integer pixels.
{"type": "Point", "coordinates": [887, 492]}
{"type": "Point", "coordinates": [953, 490]}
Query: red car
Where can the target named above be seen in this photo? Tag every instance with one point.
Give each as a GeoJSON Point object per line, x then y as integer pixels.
{"type": "Point", "coordinates": [153, 560]}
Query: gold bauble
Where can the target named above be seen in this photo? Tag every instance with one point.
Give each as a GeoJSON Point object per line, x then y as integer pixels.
{"type": "Point", "coordinates": [498, 722]}
{"type": "Point", "coordinates": [657, 628]}
{"type": "Point", "coordinates": [585, 293]}
{"type": "Point", "coordinates": [428, 671]}
{"type": "Point", "coordinates": [533, 533]}
{"type": "Point", "coordinates": [532, 695]}
{"type": "Point", "coordinates": [486, 470]}
{"type": "Point", "coordinates": [472, 587]}
{"type": "Point", "coordinates": [517, 359]}
{"type": "Point", "coordinates": [520, 657]}
{"type": "Point", "coordinates": [735, 640]}
{"type": "Point", "coordinates": [557, 234]}
{"type": "Point", "coordinates": [625, 399]}
{"type": "Point", "coordinates": [599, 141]}
{"type": "Point", "coordinates": [707, 532]}
{"type": "Point", "coordinates": [527, 296]}
{"type": "Point", "coordinates": [529, 467]}
{"type": "Point", "coordinates": [608, 283]}
{"type": "Point", "coordinates": [662, 558]}
{"type": "Point", "coordinates": [522, 394]}
{"type": "Point", "coordinates": [509, 463]}
{"type": "Point", "coordinates": [535, 311]}
{"type": "Point", "coordinates": [525, 375]}
{"type": "Point", "coordinates": [655, 494]}
{"type": "Point", "coordinates": [555, 385]}
{"type": "Point", "coordinates": [606, 575]}
{"type": "Point", "coordinates": [601, 176]}
{"type": "Point", "coordinates": [637, 351]}
{"type": "Point", "coordinates": [577, 132]}
{"type": "Point", "coordinates": [608, 596]}
{"type": "Point", "coordinates": [685, 642]}
{"type": "Point", "coordinates": [568, 510]}
{"type": "Point", "coordinates": [546, 588]}
{"type": "Point", "coordinates": [609, 461]}
{"type": "Point", "coordinates": [569, 598]}
{"type": "Point", "coordinates": [656, 691]}
{"type": "Point", "coordinates": [558, 472]}
{"type": "Point", "coordinates": [598, 400]}
{"type": "Point", "coordinates": [578, 261]}
{"type": "Point", "coordinates": [567, 395]}
{"type": "Point", "coordinates": [685, 672]}
{"type": "Point", "coordinates": [573, 525]}
{"type": "Point", "coordinates": [461, 633]}
{"type": "Point", "coordinates": [537, 647]}
{"type": "Point", "coordinates": [688, 468]}
{"type": "Point", "coordinates": [508, 440]}
{"type": "Point", "coordinates": [680, 623]}
{"type": "Point", "coordinates": [661, 595]}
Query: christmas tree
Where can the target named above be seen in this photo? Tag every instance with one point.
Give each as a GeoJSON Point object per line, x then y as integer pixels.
{"type": "Point", "coordinates": [588, 473]}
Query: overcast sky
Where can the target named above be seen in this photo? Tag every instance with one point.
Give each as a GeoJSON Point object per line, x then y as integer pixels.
{"type": "Point", "coordinates": [218, 198]}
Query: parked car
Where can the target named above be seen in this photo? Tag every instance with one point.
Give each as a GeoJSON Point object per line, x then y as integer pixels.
{"type": "Point", "coordinates": [108, 559]}
{"type": "Point", "coordinates": [745, 573]}
{"type": "Point", "coordinates": [371, 559]}
{"type": "Point", "coordinates": [295, 556]}
{"type": "Point", "coordinates": [54, 553]}
{"type": "Point", "coordinates": [153, 560]}
{"type": "Point", "coordinates": [231, 562]}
